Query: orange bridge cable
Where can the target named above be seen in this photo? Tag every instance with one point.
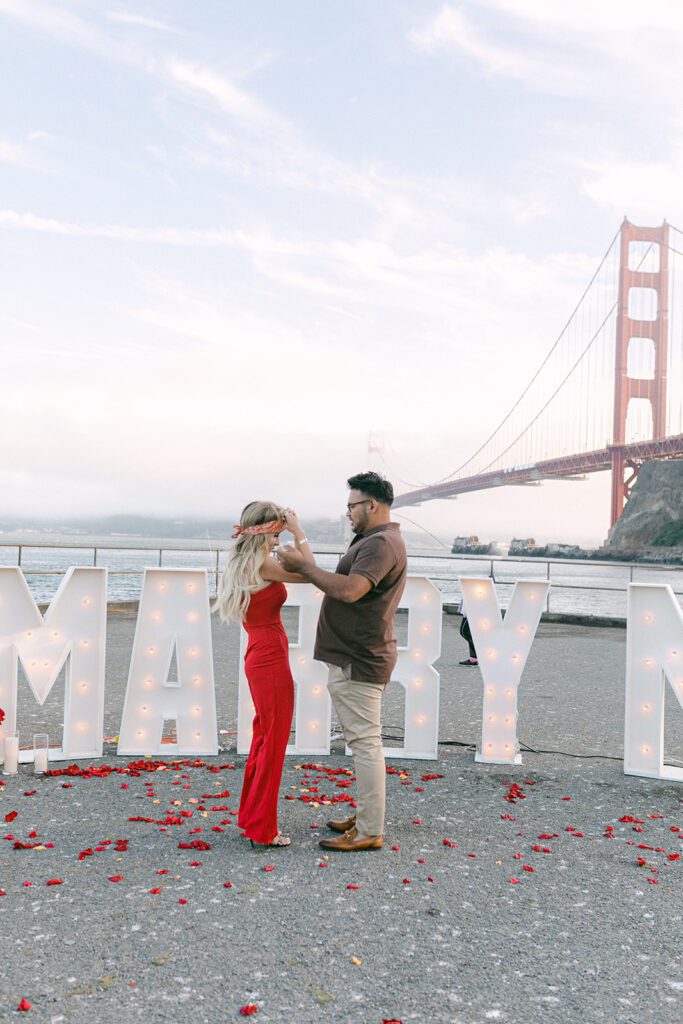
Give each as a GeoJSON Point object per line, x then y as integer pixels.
{"type": "Point", "coordinates": [541, 367]}
{"type": "Point", "coordinates": [567, 376]}
{"type": "Point", "coordinates": [559, 386]}
{"type": "Point", "coordinates": [398, 515]}
{"type": "Point", "coordinates": [553, 395]}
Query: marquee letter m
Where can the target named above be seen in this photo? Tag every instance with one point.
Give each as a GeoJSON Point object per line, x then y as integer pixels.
{"type": "Point", "coordinates": [73, 631]}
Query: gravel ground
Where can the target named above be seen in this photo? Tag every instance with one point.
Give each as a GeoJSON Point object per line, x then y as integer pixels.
{"type": "Point", "coordinates": [423, 930]}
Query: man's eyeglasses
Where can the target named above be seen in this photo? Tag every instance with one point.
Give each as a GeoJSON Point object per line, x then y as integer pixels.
{"type": "Point", "coordinates": [351, 504]}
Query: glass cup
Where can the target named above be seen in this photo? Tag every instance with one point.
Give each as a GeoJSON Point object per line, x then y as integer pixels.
{"type": "Point", "coordinates": [40, 753]}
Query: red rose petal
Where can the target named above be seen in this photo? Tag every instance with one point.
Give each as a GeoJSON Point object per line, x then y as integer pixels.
{"type": "Point", "coordinates": [513, 881]}
{"type": "Point", "coordinates": [269, 867]}
{"type": "Point", "coordinates": [182, 902]}
{"type": "Point", "coordinates": [154, 892]}
{"type": "Point", "coordinates": [227, 885]}
{"type": "Point", "coordinates": [11, 815]}
{"type": "Point", "coordinates": [527, 867]}
{"type": "Point", "coordinates": [24, 1005]}
{"type": "Point", "coordinates": [55, 881]}
{"type": "Point", "coordinates": [248, 1009]}
{"type": "Point", "coordinates": [353, 887]}
{"type": "Point", "coordinates": [116, 878]}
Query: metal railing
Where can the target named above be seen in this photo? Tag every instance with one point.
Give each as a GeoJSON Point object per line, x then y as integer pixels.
{"type": "Point", "coordinates": [492, 565]}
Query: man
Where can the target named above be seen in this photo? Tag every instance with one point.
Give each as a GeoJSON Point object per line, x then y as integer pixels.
{"type": "Point", "coordinates": [356, 639]}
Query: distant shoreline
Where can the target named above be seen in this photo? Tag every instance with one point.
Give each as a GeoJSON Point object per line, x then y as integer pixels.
{"type": "Point", "coordinates": [125, 542]}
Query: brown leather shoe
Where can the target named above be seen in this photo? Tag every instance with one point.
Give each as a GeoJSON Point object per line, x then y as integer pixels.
{"type": "Point", "coordinates": [342, 826]}
{"type": "Point", "coordinates": [352, 841]}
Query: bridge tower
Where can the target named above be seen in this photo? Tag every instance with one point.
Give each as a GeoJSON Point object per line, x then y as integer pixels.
{"type": "Point", "coordinates": [629, 329]}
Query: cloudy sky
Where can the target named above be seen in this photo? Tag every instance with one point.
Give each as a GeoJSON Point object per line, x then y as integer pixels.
{"type": "Point", "coordinates": [239, 238]}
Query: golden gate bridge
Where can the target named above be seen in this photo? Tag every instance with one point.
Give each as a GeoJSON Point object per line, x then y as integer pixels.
{"type": "Point", "coordinates": [609, 393]}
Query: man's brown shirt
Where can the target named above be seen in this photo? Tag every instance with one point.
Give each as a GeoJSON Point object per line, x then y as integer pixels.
{"type": "Point", "coordinates": [362, 633]}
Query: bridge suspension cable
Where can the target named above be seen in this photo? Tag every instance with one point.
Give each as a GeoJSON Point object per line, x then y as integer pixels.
{"type": "Point", "coordinates": [515, 406]}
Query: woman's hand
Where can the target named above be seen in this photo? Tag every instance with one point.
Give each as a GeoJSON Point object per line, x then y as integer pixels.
{"type": "Point", "coordinates": [293, 524]}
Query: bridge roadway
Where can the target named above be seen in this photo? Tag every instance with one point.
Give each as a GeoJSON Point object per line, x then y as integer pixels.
{"type": "Point", "coordinates": [583, 937]}
{"type": "Point", "coordinates": [551, 469]}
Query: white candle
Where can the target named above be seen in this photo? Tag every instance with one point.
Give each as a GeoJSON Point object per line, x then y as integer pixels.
{"type": "Point", "coordinates": [11, 753]}
{"type": "Point", "coordinates": [40, 762]}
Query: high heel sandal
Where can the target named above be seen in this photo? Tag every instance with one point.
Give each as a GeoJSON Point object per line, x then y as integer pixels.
{"type": "Point", "coordinates": [280, 841]}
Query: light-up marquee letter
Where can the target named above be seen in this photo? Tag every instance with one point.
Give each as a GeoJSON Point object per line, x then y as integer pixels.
{"type": "Point", "coordinates": [654, 654]}
{"type": "Point", "coordinates": [73, 631]}
{"type": "Point", "coordinates": [502, 651]}
{"type": "Point", "coordinates": [173, 617]}
{"type": "Point", "coordinates": [416, 673]}
{"type": "Point", "coordinates": [312, 707]}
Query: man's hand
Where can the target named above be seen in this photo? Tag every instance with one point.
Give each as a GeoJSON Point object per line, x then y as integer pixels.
{"type": "Point", "coordinates": [333, 584]}
{"type": "Point", "coordinates": [290, 558]}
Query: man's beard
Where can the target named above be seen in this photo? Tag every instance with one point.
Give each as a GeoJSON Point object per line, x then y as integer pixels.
{"type": "Point", "coordinates": [362, 524]}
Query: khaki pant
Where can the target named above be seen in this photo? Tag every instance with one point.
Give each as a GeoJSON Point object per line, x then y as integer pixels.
{"type": "Point", "coordinates": [358, 706]}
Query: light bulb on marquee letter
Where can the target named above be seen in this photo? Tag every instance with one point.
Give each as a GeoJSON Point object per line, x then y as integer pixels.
{"type": "Point", "coordinates": [174, 596]}
{"type": "Point", "coordinates": [44, 646]}
{"type": "Point", "coordinates": [654, 637]}
{"type": "Point", "coordinates": [506, 644]}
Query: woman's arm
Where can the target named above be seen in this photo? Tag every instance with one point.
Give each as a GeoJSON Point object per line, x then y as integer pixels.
{"type": "Point", "coordinates": [300, 539]}
{"type": "Point", "coordinates": [272, 571]}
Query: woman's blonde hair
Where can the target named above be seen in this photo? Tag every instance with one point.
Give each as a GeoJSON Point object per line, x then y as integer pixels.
{"type": "Point", "coordinates": [242, 573]}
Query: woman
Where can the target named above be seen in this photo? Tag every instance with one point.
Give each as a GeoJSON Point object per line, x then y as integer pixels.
{"type": "Point", "coordinates": [253, 592]}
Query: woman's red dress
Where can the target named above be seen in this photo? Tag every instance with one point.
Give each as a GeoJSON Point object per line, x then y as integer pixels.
{"type": "Point", "coordinates": [270, 681]}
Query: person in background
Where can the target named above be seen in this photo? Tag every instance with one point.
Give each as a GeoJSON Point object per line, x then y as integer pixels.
{"type": "Point", "coordinates": [466, 634]}
{"type": "Point", "coordinates": [252, 592]}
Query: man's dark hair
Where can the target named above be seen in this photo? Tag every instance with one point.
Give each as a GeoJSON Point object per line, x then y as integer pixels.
{"type": "Point", "coordinates": [374, 485]}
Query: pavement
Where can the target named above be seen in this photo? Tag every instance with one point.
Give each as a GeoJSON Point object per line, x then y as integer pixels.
{"type": "Point", "coordinates": [510, 894]}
